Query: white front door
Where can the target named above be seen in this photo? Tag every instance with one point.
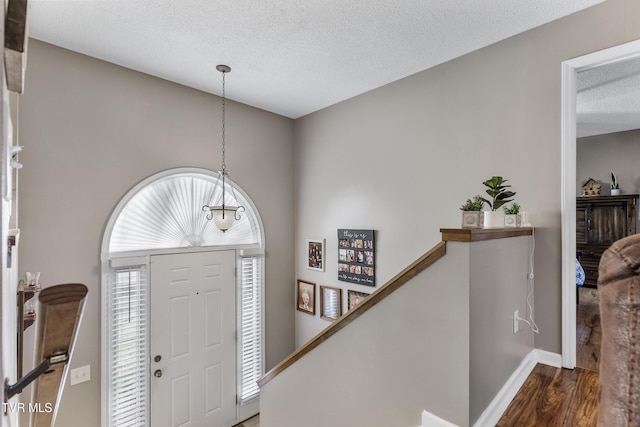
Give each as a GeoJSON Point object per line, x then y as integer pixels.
{"type": "Point", "coordinates": [192, 339]}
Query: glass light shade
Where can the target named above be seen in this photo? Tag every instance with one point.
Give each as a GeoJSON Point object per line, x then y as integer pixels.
{"type": "Point", "coordinates": [223, 217]}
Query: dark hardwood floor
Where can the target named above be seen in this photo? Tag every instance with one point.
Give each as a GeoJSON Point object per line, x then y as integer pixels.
{"type": "Point", "coordinates": [588, 330]}
{"type": "Point", "coordinates": [564, 397]}
{"type": "Point", "coordinates": [550, 397]}
{"type": "Point", "coordinates": [555, 397]}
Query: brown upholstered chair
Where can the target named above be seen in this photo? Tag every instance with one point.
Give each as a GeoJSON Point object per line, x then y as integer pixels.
{"type": "Point", "coordinates": [619, 288]}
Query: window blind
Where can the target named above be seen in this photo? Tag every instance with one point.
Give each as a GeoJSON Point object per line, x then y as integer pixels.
{"type": "Point", "coordinates": [251, 333]}
{"type": "Point", "coordinates": [127, 359]}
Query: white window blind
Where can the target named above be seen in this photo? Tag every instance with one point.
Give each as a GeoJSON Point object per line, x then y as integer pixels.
{"type": "Point", "coordinates": [251, 334]}
{"type": "Point", "coordinates": [127, 359]}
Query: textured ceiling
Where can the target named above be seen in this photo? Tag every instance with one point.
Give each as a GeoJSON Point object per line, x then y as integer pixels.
{"type": "Point", "coordinates": [289, 57]}
{"type": "Point", "coordinates": [608, 98]}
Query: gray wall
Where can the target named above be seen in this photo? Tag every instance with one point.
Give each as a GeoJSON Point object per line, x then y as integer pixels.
{"type": "Point", "coordinates": [598, 155]}
{"type": "Point", "coordinates": [93, 130]}
{"type": "Point", "coordinates": [401, 159]}
{"type": "Point", "coordinates": [407, 354]}
{"type": "Point", "coordinates": [498, 286]}
{"type": "Point", "coordinates": [443, 342]}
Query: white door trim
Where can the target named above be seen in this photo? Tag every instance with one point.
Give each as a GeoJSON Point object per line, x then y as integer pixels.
{"type": "Point", "coordinates": [570, 69]}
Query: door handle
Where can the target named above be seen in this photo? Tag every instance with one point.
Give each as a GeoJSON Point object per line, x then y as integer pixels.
{"type": "Point", "coordinates": [157, 373]}
{"type": "Point", "coordinates": [157, 358]}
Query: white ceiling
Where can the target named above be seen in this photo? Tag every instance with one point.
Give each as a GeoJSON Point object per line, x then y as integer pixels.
{"type": "Point", "coordinates": [608, 98]}
{"type": "Point", "coordinates": [289, 57]}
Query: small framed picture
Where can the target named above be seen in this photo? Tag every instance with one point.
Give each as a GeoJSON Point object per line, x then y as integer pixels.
{"type": "Point", "coordinates": [315, 254]}
{"type": "Point", "coordinates": [330, 307]}
{"type": "Point", "coordinates": [354, 298]}
{"type": "Point", "coordinates": [306, 297]}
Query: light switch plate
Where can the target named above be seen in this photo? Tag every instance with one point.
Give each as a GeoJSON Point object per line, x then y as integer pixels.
{"type": "Point", "coordinates": [80, 375]}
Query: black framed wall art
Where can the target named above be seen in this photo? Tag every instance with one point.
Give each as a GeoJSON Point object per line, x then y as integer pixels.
{"type": "Point", "coordinates": [356, 256]}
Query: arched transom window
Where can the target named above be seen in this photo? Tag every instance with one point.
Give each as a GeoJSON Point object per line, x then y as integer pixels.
{"type": "Point", "coordinates": [165, 211]}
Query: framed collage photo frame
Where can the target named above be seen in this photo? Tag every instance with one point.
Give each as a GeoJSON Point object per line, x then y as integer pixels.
{"type": "Point", "coordinates": [356, 256]}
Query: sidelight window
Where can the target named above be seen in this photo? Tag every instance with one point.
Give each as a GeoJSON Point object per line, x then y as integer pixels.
{"type": "Point", "coordinates": [127, 356]}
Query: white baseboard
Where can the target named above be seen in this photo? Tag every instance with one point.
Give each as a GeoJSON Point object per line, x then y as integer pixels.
{"type": "Point", "coordinates": [500, 403]}
{"type": "Point", "coordinates": [547, 358]}
{"type": "Point", "coordinates": [431, 420]}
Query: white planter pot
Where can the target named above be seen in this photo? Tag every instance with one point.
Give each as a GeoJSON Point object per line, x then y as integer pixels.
{"type": "Point", "coordinates": [615, 191]}
{"type": "Point", "coordinates": [510, 220]}
{"type": "Point", "coordinates": [472, 219]}
{"type": "Point", "coordinates": [493, 219]}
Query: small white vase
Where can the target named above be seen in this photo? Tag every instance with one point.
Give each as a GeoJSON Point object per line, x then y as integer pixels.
{"type": "Point", "coordinates": [493, 219]}
{"type": "Point", "coordinates": [615, 191]}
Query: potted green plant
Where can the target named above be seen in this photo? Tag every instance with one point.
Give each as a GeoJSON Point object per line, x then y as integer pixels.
{"type": "Point", "coordinates": [500, 195]}
{"type": "Point", "coordinates": [615, 187]}
{"type": "Point", "coordinates": [472, 212]}
{"type": "Point", "coordinates": [511, 215]}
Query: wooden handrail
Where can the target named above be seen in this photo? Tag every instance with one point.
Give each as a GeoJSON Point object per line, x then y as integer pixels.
{"type": "Point", "coordinates": [398, 280]}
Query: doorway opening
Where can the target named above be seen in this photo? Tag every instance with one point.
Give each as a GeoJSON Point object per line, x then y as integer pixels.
{"type": "Point", "coordinates": [220, 281]}
{"type": "Point", "coordinates": [570, 70]}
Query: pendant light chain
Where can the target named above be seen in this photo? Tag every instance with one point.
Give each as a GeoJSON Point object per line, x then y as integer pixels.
{"type": "Point", "coordinates": [223, 216]}
{"type": "Point", "coordinates": [224, 165]}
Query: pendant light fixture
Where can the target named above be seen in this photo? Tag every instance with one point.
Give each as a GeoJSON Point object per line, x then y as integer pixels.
{"type": "Point", "coordinates": [223, 215]}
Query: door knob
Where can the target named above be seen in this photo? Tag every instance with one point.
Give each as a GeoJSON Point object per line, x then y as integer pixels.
{"type": "Point", "coordinates": [157, 358]}
{"type": "Point", "coordinates": [157, 373]}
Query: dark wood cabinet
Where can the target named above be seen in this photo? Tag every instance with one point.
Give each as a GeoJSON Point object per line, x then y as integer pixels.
{"type": "Point", "coordinates": [600, 221]}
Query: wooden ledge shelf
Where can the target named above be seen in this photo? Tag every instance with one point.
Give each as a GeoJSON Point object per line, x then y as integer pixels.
{"type": "Point", "coordinates": [480, 234]}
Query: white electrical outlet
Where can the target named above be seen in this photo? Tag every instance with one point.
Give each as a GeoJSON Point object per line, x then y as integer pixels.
{"type": "Point", "coordinates": [515, 322]}
{"type": "Point", "coordinates": [80, 375]}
